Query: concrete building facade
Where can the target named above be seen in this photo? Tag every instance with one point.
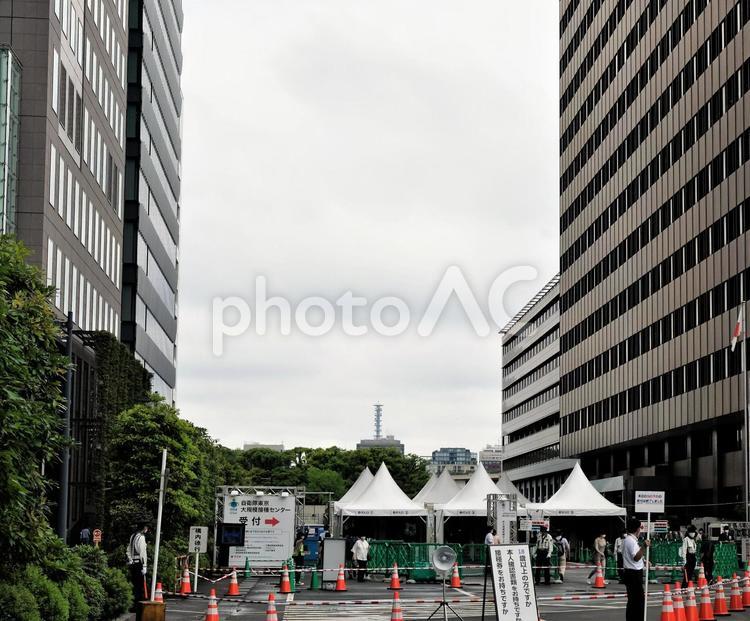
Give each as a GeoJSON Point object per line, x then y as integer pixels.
{"type": "Point", "coordinates": [654, 219]}
{"type": "Point", "coordinates": [530, 397]}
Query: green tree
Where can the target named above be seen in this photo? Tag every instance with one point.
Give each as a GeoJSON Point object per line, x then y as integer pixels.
{"type": "Point", "coordinates": [31, 372]}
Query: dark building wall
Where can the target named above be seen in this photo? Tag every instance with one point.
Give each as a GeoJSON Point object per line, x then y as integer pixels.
{"type": "Point", "coordinates": [655, 142]}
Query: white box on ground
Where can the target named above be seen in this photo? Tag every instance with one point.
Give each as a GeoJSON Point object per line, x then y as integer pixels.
{"type": "Point", "coordinates": [269, 529]}
{"type": "Point", "coordinates": [649, 502]}
{"type": "Point", "coordinates": [513, 583]}
{"type": "Point", "coordinates": [198, 541]}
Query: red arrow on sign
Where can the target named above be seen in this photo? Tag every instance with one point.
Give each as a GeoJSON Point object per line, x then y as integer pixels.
{"type": "Point", "coordinates": [273, 521]}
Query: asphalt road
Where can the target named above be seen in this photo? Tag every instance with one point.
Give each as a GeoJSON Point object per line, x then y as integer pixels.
{"type": "Point", "coordinates": [378, 602]}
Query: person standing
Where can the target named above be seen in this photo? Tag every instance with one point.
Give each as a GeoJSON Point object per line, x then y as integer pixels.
{"type": "Point", "coordinates": [544, 546]}
{"type": "Point", "coordinates": [489, 538]}
{"type": "Point", "coordinates": [563, 552]}
{"type": "Point", "coordinates": [688, 553]}
{"type": "Point", "coordinates": [600, 550]}
{"type": "Point", "coordinates": [361, 550]}
{"type": "Point", "coordinates": [632, 561]}
{"type": "Point", "coordinates": [619, 542]}
{"type": "Point", "coordinates": [85, 536]}
{"type": "Point", "coordinates": [298, 555]}
{"type": "Point", "coordinates": [137, 559]}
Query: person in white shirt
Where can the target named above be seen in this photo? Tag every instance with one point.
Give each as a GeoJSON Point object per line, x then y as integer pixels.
{"type": "Point", "coordinates": [489, 538]}
{"type": "Point", "coordinates": [688, 552]}
{"type": "Point", "coordinates": [619, 543]}
{"type": "Point", "coordinates": [632, 561]}
{"type": "Point", "coordinates": [137, 561]}
{"type": "Point", "coordinates": [360, 551]}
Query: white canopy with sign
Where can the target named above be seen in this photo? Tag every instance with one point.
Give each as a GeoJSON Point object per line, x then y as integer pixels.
{"type": "Point", "coordinates": [441, 491]}
{"type": "Point", "coordinates": [360, 485]}
{"type": "Point", "coordinates": [472, 498]}
{"type": "Point", "coordinates": [382, 497]}
{"type": "Point", "coordinates": [576, 497]}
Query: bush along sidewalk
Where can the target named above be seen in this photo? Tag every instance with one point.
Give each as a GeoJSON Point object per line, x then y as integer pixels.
{"type": "Point", "coordinates": [72, 585]}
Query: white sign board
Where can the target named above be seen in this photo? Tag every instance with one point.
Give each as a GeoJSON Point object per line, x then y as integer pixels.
{"type": "Point", "coordinates": [513, 583]}
{"type": "Point", "coordinates": [649, 502]}
{"type": "Point", "coordinates": [198, 541]}
{"type": "Point", "coordinates": [524, 524]}
{"type": "Point", "coordinates": [269, 529]}
{"type": "Point", "coordinates": [506, 527]}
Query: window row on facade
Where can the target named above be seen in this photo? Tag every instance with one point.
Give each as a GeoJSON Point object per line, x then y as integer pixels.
{"type": "Point", "coordinates": [148, 200]}
{"type": "Point", "coordinates": [531, 325]}
{"type": "Point", "coordinates": [74, 293]}
{"type": "Point", "coordinates": [150, 267]}
{"type": "Point", "coordinates": [532, 403]}
{"type": "Point", "coordinates": [684, 379]}
{"type": "Point", "coordinates": [530, 378]}
{"type": "Point", "coordinates": [533, 457]}
{"type": "Point", "coordinates": [553, 420]}
{"type": "Point", "coordinates": [708, 115]}
{"type": "Point", "coordinates": [656, 113]}
{"type": "Point", "coordinates": [568, 15]}
{"type": "Point", "coordinates": [693, 69]}
{"type": "Point", "coordinates": [584, 25]}
{"type": "Point", "coordinates": [721, 232]}
{"type": "Point", "coordinates": [157, 334]}
{"type": "Point", "coordinates": [77, 211]}
{"type": "Point", "coordinates": [632, 39]}
{"type": "Point", "coordinates": [714, 303]}
{"type": "Point", "coordinates": [536, 348]}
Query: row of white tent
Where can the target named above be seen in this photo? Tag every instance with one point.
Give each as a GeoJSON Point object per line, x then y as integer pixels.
{"type": "Point", "coordinates": [380, 495]}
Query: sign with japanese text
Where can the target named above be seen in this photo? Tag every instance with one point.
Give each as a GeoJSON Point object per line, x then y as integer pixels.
{"type": "Point", "coordinates": [524, 524]}
{"type": "Point", "coordinates": [660, 527]}
{"type": "Point", "coordinates": [97, 535]}
{"type": "Point", "coordinates": [506, 527]}
{"type": "Point", "coordinates": [513, 583]}
{"type": "Point", "coordinates": [198, 539]}
{"type": "Point", "coordinates": [649, 502]}
{"type": "Point", "coordinates": [269, 528]}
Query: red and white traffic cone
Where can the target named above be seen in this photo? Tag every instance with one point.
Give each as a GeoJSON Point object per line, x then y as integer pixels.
{"type": "Point", "coordinates": [746, 590]}
{"type": "Point", "coordinates": [271, 609]}
{"type": "Point", "coordinates": [285, 586]}
{"type": "Point", "coordinates": [691, 609]}
{"type": "Point", "coordinates": [720, 601]}
{"type": "Point", "coordinates": [455, 577]}
{"type": "Point", "coordinates": [185, 583]}
{"type": "Point", "coordinates": [706, 609]}
{"type": "Point", "coordinates": [396, 612]}
{"type": "Point", "coordinates": [395, 582]}
{"type": "Point", "coordinates": [667, 606]}
{"type": "Point", "coordinates": [340, 580]}
{"type": "Point", "coordinates": [735, 597]}
{"type": "Point", "coordinates": [702, 578]}
{"type": "Point", "coordinates": [158, 593]}
{"type": "Point", "coordinates": [234, 587]}
{"type": "Point", "coordinates": [212, 612]}
{"type": "Point", "coordinates": [679, 606]}
{"type": "Point", "coordinates": [599, 578]}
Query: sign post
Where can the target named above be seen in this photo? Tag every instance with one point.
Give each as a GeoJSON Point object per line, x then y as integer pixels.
{"type": "Point", "coordinates": [513, 582]}
{"type": "Point", "coordinates": [97, 536]}
{"type": "Point", "coordinates": [648, 503]}
{"type": "Point", "coordinates": [198, 543]}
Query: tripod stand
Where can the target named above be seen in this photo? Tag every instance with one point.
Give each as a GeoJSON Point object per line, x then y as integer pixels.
{"type": "Point", "coordinates": [444, 606]}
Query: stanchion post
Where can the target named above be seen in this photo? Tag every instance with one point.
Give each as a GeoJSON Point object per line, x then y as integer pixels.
{"type": "Point", "coordinates": [648, 550]}
{"type": "Point", "coordinates": [195, 582]}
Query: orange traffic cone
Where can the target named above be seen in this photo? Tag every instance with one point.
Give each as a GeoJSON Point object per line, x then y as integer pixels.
{"type": "Point", "coordinates": [746, 590]}
{"type": "Point", "coordinates": [735, 597]}
{"type": "Point", "coordinates": [679, 605]}
{"type": "Point", "coordinates": [599, 579]}
{"type": "Point", "coordinates": [234, 587]}
{"type": "Point", "coordinates": [285, 586]}
{"type": "Point", "coordinates": [395, 582]}
{"type": "Point", "coordinates": [691, 609]}
{"type": "Point", "coordinates": [212, 612]}
{"type": "Point", "coordinates": [185, 583]}
{"type": "Point", "coordinates": [706, 610]}
{"type": "Point", "coordinates": [158, 593]}
{"type": "Point", "coordinates": [720, 602]}
{"type": "Point", "coordinates": [340, 580]}
{"type": "Point", "coordinates": [396, 613]}
{"type": "Point", "coordinates": [271, 610]}
{"type": "Point", "coordinates": [455, 577]}
{"type": "Point", "coordinates": [667, 607]}
{"type": "Point", "coordinates": [702, 578]}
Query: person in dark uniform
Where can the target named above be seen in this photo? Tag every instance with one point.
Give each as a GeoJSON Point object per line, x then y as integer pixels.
{"type": "Point", "coordinates": [137, 562]}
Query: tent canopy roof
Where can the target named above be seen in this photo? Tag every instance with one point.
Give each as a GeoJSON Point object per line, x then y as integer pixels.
{"type": "Point", "coordinates": [577, 497]}
{"type": "Point", "coordinates": [359, 486]}
{"type": "Point", "coordinates": [426, 488]}
{"type": "Point", "coordinates": [505, 485]}
{"type": "Point", "coordinates": [443, 489]}
{"type": "Point", "coordinates": [472, 498]}
{"type": "Point", "coordinates": [383, 497]}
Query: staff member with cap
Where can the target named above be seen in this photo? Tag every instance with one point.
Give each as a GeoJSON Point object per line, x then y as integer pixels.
{"type": "Point", "coordinates": [632, 562]}
{"type": "Point", "coordinates": [137, 561]}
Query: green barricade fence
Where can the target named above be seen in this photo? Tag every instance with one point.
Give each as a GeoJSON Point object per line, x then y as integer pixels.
{"type": "Point", "coordinates": [725, 560]}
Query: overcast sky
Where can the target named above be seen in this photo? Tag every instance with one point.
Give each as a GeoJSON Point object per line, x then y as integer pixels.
{"type": "Point", "coordinates": [363, 146]}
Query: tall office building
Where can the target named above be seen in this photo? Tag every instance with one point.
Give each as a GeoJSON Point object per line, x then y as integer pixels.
{"type": "Point", "coordinates": [530, 401]}
{"type": "Point", "coordinates": [152, 188]}
{"type": "Point", "coordinates": [62, 72]}
{"type": "Point", "coordinates": [654, 219]}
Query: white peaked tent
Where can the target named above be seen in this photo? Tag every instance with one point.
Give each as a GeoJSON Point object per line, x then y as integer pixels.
{"type": "Point", "coordinates": [442, 490]}
{"type": "Point", "coordinates": [359, 486]}
{"type": "Point", "coordinates": [427, 487]}
{"type": "Point", "coordinates": [472, 498]}
{"type": "Point", "coordinates": [383, 497]}
{"type": "Point", "coordinates": [505, 485]}
{"type": "Point", "coordinates": [577, 497]}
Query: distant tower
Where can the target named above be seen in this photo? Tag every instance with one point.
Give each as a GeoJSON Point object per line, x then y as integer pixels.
{"type": "Point", "coordinates": [378, 421]}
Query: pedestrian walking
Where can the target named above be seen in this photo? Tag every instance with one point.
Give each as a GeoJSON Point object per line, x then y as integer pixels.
{"type": "Point", "coordinates": [298, 555]}
{"type": "Point", "coordinates": [632, 560]}
{"type": "Point", "coordinates": [489, 538]}
{"type": "Point", "coordinates": [137, 560]}
{"type": "Point", "coordinates": [361, 551]}
{"type": "Point", "coordinates": [707, 558]}
{"type": "Point", "coordinates": [85, 536]}
{"type": "Point", "coordinates": [726, 535]}
{"type": "Point", "coordinates": [599, 556]}
{"type": "Point", "coordinates": [544, 547]}
{"type": "Point", "coordinates": [688, 553]}
{"type": "Point", "coordinates": [563, 552]}
{"type": "Point", "coordinates": [619, 543]}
